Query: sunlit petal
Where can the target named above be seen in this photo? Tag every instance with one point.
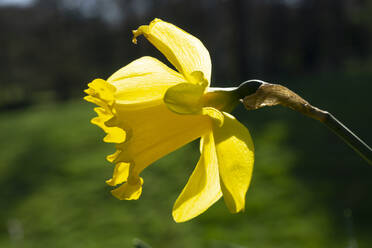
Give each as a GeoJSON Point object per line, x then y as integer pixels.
{"type": "Point", "coordinates": [186, 52]}
{"type": "Point", "coordinates": [235, 155]}
{"type": "Point", "coordinates": [203, 188]}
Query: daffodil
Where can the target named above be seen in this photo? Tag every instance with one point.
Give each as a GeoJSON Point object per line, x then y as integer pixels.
{"type": "Point", "coordinates": [149, 110]}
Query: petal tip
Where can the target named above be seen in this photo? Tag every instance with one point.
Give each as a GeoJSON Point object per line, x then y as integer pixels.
{"type": "Point", "coordinates": [135, 35]}
{"type": "Point", "coordinates": [180, 215]}
{"type": "Point", "coordinates": [144, 29]}
{"type": "Point", "coordinates": [179, 218]}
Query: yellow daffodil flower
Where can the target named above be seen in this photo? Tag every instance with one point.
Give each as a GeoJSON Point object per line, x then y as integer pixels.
{"type": "Point", "coordinates": [149, 110]}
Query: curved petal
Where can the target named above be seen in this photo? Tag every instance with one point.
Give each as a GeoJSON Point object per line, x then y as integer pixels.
{"type": "Point", "coordinates": [184, 98]}
{"type": "Point", "coordinates": [184, 51]}
{"type": "Point", "coordinates": [203, 188]}
{"type": "Point", "coordinates": [143, 82]}
{"type": "Point", "coordinates": [187, 98]}
{"type": "Point", "coordinates": [217, 116]}
{"type": "Point", "coordinates": [235, 155]}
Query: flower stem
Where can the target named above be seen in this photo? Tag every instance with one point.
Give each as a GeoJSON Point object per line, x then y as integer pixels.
{"type": "Point", "coordinates": [257, 94]}
{"type": "Point", "coordinates": [358, 145]}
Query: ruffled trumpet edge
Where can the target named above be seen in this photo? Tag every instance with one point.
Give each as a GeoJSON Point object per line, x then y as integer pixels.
{"type": "Point", "coordinates": [101, 93]}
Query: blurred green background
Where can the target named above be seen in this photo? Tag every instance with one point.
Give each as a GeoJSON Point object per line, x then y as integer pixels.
{"type": "Point", "coordinates": [308, 188]}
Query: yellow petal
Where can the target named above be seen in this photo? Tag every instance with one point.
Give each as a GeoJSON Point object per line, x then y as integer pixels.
{"type": "Point", "coordinates": [184, 51]}
{"type": "Point", "coordinates": [120, 175]}
{"type": "Point", "coordinates": [203, 188]}
{"type": "Point", "coordinates": [235, 155]}
{"type": "Point", "coordinates": [128, 191]}
{"type": "Point", "coordinates": [155, 132]}
{"type": "Point", "coordinates": [143, 82]}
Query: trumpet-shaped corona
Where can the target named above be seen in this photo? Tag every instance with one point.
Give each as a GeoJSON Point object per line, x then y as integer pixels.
{"type": "Point", "coordinates": [149, 110]}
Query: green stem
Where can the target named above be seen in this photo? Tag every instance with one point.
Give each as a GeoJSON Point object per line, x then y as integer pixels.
{"type": "Point", "coordinates": [358, 145]}
{"type": "Point", "coordinates": [257, 94]}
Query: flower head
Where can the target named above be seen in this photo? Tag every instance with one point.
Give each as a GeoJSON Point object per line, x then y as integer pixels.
{"type": "Point", "coordinates": [149, 110]}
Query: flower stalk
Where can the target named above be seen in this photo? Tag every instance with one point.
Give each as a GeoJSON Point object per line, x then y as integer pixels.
{"type": "Point", "coordinates": [256, 94]}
